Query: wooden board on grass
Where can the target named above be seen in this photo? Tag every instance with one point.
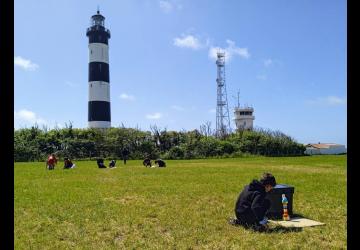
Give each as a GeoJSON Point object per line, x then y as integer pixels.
{"type": "Point", "coordinates": [297, 222]}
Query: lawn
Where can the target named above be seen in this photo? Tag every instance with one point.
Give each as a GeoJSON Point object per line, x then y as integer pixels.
{"type": "Point", "coordinates": [183, 206]}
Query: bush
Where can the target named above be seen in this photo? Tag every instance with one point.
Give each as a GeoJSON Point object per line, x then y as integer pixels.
{"type": "Point", "coordinates": [175, 153]}
{"type": "Point", "coordinates": [35, 144]}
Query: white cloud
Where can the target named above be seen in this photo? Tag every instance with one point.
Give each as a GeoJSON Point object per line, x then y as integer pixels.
{"type": "Point", "coordinates": [230, 51]}
{"type": "Point", "coordinates": [28, 117]}
{"type": "Point", "coordinates": [125, 96]}
{"type": "Point", "coordinates": [25, 64]}
{"type": "Point", "coordinates": [268, 62]}
{"type": "Point", "coordinates": [154, 116]}
{"type": "Point", "coordinates": [178, 108]}
{"type": "Point", "coordinates": [272, 62]}
{"type": "Point", "coordinates": [334, 100]}
{"type": "Point", "coordinates": [166, 6]}
{"type": "Point", "coordinates": [212, 110]}
{"type": "Point", "coordinates": [328, 101]}
{"type": "Point", "coordinates": [70, 84]}
{"type": "Point", "coordinates": [188, 41]}
{"type": "Point", "coordinates": [261, 77]}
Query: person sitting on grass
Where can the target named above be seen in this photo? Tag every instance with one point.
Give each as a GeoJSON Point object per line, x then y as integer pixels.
{"type": "Point", "coordinates": [112, 164]}
{"type": "Point", "coordinates": [68, 163]}
{"type": "Point", "coordinates": [51, 162]}
{"type": "Point", "coordinates": [160, 163]}
{"type": "Point", "coordinates": [251, 205]}
{"type": "Point", "coordinates": [100, 163]}
{"type": "Point", "coordinates": [147, 162]}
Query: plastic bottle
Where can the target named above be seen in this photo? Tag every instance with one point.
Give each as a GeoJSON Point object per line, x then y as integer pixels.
{"type": "Point", "coordinates": [284, 201]}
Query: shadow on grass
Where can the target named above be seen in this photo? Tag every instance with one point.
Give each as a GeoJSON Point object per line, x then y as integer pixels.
{"type": "Point", "coordinates": [267, 230]}
{"type": "Point", "coordinates": [280, 229]}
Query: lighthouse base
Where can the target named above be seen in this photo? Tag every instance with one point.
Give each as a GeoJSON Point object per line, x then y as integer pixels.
{"type": "Point", "coordinates": [99, 124]}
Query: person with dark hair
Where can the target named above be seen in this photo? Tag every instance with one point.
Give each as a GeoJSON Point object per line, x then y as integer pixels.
{"type": "Point", "coordinates": [51, 162]}
{"type": "Point", "coordinates": [112, 163]}
{"type": "Point", "coordinates": [100, 163]}
{"type": "Point", "coordinates": [251, 205]}
{"type": "Point", "coordinates": [125, 154]}
{"type": "Point", "coordinates": [68, 163]}
{"type": "Point", "coordinates": [160, 163]}
{"type": "Point", "coordinates": [147, 162]}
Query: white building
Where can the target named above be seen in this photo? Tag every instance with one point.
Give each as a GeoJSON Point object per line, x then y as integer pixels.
{"type": "Point", "coordinates": [244, 118]}
{"type": "Point", "coordinates": [325, 149]}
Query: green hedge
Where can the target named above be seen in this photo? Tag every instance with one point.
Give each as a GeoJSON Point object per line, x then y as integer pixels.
{"type": "Point", "coordinates": [35, 144]}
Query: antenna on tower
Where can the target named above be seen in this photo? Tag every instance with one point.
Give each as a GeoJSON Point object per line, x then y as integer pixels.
{"type": "Point", "coordinates": [98, 9]}
{"type": "Point", "coordinates": [237, 98]}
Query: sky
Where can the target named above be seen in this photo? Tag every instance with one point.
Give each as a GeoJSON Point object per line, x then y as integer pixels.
{"type": "Point", "coordinates": [287, 59]}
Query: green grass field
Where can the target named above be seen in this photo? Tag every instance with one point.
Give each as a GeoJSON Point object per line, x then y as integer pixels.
{"type": "Point", "coordinates": [183, 206]}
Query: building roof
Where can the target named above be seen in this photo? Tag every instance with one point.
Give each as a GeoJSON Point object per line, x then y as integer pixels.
{"type": "Point", "coordinates": [322, 145]}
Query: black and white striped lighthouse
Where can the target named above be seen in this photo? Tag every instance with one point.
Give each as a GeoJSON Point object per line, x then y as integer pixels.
{"type": "Point", "coordinates": [99, 115]}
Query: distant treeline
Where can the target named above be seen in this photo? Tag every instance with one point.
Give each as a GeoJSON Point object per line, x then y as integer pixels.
{"type": "Point", "coordinates": [35, 144]}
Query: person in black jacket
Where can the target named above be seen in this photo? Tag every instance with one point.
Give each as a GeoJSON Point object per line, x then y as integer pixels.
{"type": "Point", "coordinates": [160, 163]}
{"type": "Point", "coordinates": [100, 163]}
{"type": "Point", "coordinates": [147, 162]}
{"type": "Point", "coordinates": [125, 154]}
{"type": "Point", "coordinates": [251, 205]}
{"type": "Point", "coordinates": [112, 163]}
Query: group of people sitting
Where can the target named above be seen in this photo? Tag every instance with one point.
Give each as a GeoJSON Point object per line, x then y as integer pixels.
{"type": "Point", "coordinates": [100, 163]}
{"type": "Point", "coordinates": [52, 161]}
{"type": "Point", "coordinates": [159, 163]}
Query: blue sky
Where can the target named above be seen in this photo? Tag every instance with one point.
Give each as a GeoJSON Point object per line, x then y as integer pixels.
{"type": "Point", "coordinates": [287, 59]}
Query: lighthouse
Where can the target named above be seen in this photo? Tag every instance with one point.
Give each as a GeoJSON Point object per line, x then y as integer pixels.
{"type": "Point", "coordinates": [99, 115]}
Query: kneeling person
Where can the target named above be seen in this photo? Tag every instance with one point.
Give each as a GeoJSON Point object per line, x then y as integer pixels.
{"type": "Point", "coordinates": [100, 163]}
{"type": "Point", "coordinates": [251, 205]}
{"type": "Point", "coordinates": [68, 163]}
{"type": "Point", "coordinates": [147, 162]}
{"type": "Point", "coordinates": [112, 163]}
{"type": "Point", "coordinates": [160, 163]}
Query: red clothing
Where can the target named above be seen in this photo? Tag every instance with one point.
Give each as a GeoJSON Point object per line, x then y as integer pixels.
{"type": "Point", "coordinates": [51, 160]}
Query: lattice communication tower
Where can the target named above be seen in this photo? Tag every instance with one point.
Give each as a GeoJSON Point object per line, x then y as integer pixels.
{"type": "Point", "coordinates": [222, 110]}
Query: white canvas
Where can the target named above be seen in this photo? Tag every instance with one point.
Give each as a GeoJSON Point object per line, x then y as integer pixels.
{"type": "Point", "coordinates": [297, 222]}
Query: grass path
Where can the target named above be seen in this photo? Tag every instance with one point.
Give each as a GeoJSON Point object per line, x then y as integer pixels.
{"type": "Point", "coordinates": [183, 206]}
